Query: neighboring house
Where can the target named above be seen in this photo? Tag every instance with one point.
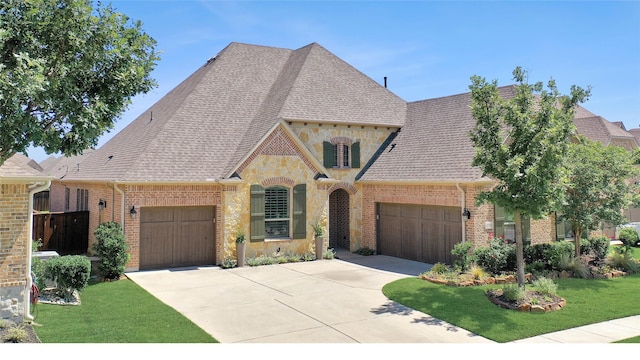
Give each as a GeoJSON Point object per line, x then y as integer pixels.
{"type": "Point", "coordinates": [268, 141]}
{"type": "Point", "coordinates": [18, 183]}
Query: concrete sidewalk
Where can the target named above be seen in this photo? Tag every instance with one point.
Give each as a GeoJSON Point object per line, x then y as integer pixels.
{"type": "Point", "coordinates": [604, 332]}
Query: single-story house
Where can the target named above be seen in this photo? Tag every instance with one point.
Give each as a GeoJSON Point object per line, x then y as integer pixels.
{"type": "Point", "coordinates": [18, 183]}
{"type": "Point", "coordinates": [268, 141]}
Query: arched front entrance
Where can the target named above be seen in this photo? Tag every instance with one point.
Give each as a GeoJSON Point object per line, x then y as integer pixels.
{"type": "Point", "coordinates": [339, 219]}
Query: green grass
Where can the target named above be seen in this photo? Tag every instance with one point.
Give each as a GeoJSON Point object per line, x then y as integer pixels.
{"type": "Point", "coordinates": [633, 340]}
{"type": "Point", "coordinates": [588, 302]}
{"type": "Point", "coordinates": [116, 312]}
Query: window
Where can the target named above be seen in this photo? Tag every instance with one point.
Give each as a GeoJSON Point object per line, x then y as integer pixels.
{"type": "Point", "coordinates": [341, 155]}
{"type": "Point", "coordinates": [67, 195]}
{"type": "Point", "coordinates": [276, 213]}
{"type": "Point", "coordinates": [505, 225]}
{"type": "Point", "coordinates": [82, 200]}
{"type": "Point", "coordinates": [563, 228]}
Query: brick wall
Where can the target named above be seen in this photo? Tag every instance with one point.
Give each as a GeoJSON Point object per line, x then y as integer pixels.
{"type": "Point", "coordinates": [14, 249]}
{"type": "Point", "coordinates": [142, 196]}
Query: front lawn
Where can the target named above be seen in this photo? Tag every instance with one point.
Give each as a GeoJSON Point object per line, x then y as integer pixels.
{"type": "Point", "coordinates": [588, 301]}
{"type": "Point", "coordinates": [116, 312]}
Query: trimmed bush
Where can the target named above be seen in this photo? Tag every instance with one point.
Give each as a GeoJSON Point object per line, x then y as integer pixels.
{"type": "Point", "coordinates": [462, 252]}
{"type": "Point", "coordinates": [498, 257]}
{"type": "Point", "coordinates": [39, 267]}
{"type": "Point", "coordinates": [70, 272]}
{"type": "Point", "coordinates": [545, 286]}
{"type": "Point", "coordinates": [560, 253]}
{"type": "Point", "coordinates": [628, 235]}
{"type": "Point", "coordinates": [599, 247]}
{"type": "Point", "coordinates": [112, 249]}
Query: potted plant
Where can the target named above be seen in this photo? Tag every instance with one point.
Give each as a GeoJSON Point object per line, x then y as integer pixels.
{"type": "Point", "coordinates": [318, 231]}
{"type": "Point", "coordinates": [240, 247]}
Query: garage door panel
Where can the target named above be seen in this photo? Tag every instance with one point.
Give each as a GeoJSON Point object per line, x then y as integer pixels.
{"type": "Point", "coordinates": [424, 233]}
{"type": "Point", "coordinates": [177, 236]}
{"type": "Point", "coordinates": [157, 242]}
{"type": "Point", "coordinates": [194, 244]}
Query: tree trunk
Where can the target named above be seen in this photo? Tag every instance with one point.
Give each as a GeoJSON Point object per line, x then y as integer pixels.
{"type": "Point", "coordinates": [577, 235]}
{"type": "Point", "coordinates": [520, 255]}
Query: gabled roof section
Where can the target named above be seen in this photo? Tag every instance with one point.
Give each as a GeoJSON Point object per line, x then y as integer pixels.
{"type": "Point", "coordinates": [64, 166]}
{"type": "Point", "coordinates": [434, 145]}
{"type": "Point", "coordinates": [14, 169]}
{"type": "Point", "coordinates": [24, 160]}
{"type": "Point", "coordinates": [600, 129]}
{"type": "Point", "coordinates": [190, 134]}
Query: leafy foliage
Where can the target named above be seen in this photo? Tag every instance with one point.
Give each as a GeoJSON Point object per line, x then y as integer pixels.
{"type": "Point", "coordinates": [112, 248]}
{"type": "Point", "coordinates": [463, 254]}
{"type": "Point", "coordinates": [545, 286]}
{"type": "Point", "coordinates": [628, 235]}
{"type": "Point", "coordinates": [67, 72]}
{"type": "Point", "coordinates": [520, 143]}
{"type": "Point", "coordinates": [70, 272]}
{"type": "Point", "coordinates": [497, 257]}
{"type": "Point", "coordinates": [598, 186]}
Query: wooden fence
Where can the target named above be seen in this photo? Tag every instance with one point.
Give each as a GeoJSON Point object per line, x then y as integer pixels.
{"type": "Point", "coordinates": [65, 233]}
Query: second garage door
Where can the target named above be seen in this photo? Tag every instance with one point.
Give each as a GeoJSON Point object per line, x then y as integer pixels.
{"type": "Point", "coordinates": [419, 232]}
{"type": "Point", "coordinates": [177, 236]}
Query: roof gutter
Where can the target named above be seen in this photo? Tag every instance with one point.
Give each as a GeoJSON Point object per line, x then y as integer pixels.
{"type": "Point", "coordinates": [40, 186]}
{"type": "Point", "coordinates": [122, 206]}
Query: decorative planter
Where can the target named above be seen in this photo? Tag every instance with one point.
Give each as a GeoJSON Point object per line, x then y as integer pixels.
{"type": "Point", "coordinates": [240, 253]}
{"type": "Point", "coordinates": [319, 247]}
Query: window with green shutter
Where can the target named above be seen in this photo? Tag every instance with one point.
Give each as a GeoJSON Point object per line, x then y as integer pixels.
{"type": "Point", "coordinates": [355, 155]}
{"type": "Point", "coordinates": [505, 225]}
{"type": "Point", "coordinates": [330, 155]}
{"type": "Point", "coordinates": [276, 212]}
{"type": "Point", "coordinates": [341, 155]}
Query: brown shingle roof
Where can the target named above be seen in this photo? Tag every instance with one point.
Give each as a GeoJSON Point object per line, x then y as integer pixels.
{"type": "Point", "coordinates": [202, 128]}
{"type": "Point", "coordinates": [16, 167]}
{"type": "Point", "coordinates": [600, 129]}
{"type": "Point", "coordinates": [434, 144]}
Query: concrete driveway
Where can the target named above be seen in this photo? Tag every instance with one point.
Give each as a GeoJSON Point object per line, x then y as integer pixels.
{"type": "Point", "coordinates": [328, 301]}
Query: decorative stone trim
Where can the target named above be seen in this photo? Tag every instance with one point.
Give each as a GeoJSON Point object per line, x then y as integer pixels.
{"type": "Point", "coordinates": [279, 180]}
{"type": "Point", "coordinates": [344, 185]}
{"type": "Point", "coordinates": [336, 140]}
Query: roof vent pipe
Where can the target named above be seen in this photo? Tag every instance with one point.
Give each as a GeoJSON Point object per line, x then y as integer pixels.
{"type": "Point", "coordinates": [385, 82]}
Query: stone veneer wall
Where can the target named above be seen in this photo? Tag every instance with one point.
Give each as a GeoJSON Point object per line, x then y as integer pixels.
{"type": "Point", "coordinates": [142, 196]}
{"type": "Point", "coordinates": [14, 250]}
{"type": "Point", "coordinates": [370, 138]}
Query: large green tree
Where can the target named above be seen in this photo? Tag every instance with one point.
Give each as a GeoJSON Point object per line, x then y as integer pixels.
{"type": "Point", "coordinates": [601, 184]}
{"type": "Point", "coordinates": [520, 142]}
{"type": "Point", "coordinates": [68, 70]}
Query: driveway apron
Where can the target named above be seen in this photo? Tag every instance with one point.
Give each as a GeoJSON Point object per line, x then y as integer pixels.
{"type": "Point", "coordinates": [327, 301]}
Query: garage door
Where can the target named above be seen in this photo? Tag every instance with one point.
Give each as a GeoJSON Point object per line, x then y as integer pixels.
{"type": "Point", "coordinates": [177, 236]}
{"type": "Point", "coordinates": [419, 232]}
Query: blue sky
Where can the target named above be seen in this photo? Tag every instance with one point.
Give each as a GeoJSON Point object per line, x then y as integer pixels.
{"type": "Point", "coordinates": [426, 49]}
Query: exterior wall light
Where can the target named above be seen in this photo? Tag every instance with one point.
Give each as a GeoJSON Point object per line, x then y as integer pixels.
{"type": "Point", "coordinates": [102, 204]}
{"type": "Point", "coordinates": [467, 214]}
{"type": "Point", "coordinates": [133, 213]}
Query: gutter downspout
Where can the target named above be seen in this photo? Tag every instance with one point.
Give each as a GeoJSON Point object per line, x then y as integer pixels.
{"type": "Point", "coordinates": [115, 186]}
{"type": "Point", "coordinates": [27, 299]}
{"type": "Point", "coordinates": [464, 205]}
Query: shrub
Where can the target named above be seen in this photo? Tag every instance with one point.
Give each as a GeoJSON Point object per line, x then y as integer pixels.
{"type": "Point", "coordinates": [496, 258]}
{"type": "Point", "coordinates": [477, 272]}
{"type": "Point", "coordinates": [628, 235]}
{"type": "Point", "coordinates": [623, 261]}
{"type": "Point", "coordinates": [70, 272]}
{"type": "Point", "coordinates": [545, 286]}
{"type": "Point", "coordinates": [536, 267]}
{"type": "Point", "coordinates": [38, 267]}
{"type": "Point", "coordinates": [463, 254]}
{"type": "Point", "coordinates": [308, 256]}
{"type": "Point", "coordinates": [229, 263]}
{"type": "Point", "coordinates": [558, 253]}
{"type": "Point", "coordinates": [579, 267]}
{"type": "Point", "coordinates": [439, 268]}
{"type": "Point", "coordinates": [513, 292]}
{"type": "Point", "coordinates": [112, 248]}
{"type": "Point", "coordinates": [329, 254]}
{"type": "Point", "coordinates": [537, 253]}
{"type": "Point", "coordinates": [599, 247]}
{"type": "Point", "coordinates": [16, 334]}
{"type": "Point", "coordinates": [365, 251]}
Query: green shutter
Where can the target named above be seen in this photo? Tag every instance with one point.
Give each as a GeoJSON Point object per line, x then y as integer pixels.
{"type": "Point", "coordinates": [355, 155]}
{"type": "Point", "coordinates": [499, 221]}
{"type": "Point", "coordinates": [257, 213]}
{"type": "Point", "coordinates": [300, 211]}
{"type": "Point", "coordinates": [329, 156]}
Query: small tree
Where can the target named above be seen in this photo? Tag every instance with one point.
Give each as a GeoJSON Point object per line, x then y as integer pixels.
{"type": "Point", "coordinates": [68, 70]}
{"type": "Point", "coordinates": [112, 249]}
{"type": "Point", "coordinates": [520, 143]}
{"type": "Point", "coordinates": [600, 186]}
